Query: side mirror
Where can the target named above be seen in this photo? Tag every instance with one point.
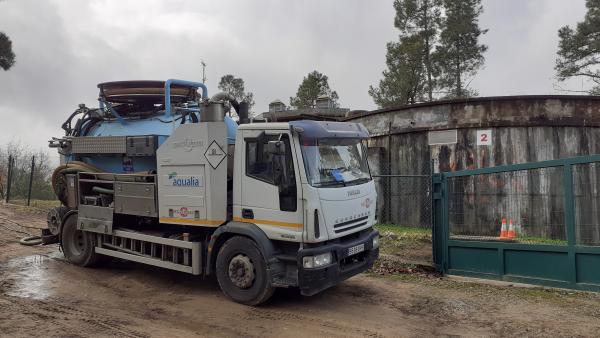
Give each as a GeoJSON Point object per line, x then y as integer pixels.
{"type": "Point", "coordinates": [276, 148]}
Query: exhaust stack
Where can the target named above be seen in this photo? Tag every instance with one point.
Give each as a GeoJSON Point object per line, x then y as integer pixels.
{"type": "Point", "coordinates": [243, 113]}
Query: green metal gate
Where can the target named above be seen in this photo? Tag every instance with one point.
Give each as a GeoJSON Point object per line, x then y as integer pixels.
{"type": "Point", "coordinates": [554, 209]}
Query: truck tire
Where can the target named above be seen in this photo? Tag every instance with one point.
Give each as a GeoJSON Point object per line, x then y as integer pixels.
{"type": "Point", "coordinates": [78, 246]}
{"type": "Point", "coordinates": [241, 272]}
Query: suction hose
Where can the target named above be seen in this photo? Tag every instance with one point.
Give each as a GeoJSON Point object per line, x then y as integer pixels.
{"type": "Point", "coordinates": [224, 96]}
{"type": "Point", "coordinates": [31, 240]}
{"type": "Point", "coordinates": [59, 183]}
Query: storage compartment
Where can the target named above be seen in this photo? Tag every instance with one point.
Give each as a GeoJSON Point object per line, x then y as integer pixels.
{"type": "Point", "coordinates": [95, 219]}
{"type": "Point", "coordinates": [141, 145]}
{"type": "Point", "coordinates": [134, 198]}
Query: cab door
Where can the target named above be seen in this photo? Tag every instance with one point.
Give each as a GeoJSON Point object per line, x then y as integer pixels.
{"type": "Point", "coordinates": [270, 186]}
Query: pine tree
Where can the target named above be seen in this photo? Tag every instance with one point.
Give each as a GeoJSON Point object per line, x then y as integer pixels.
{"type": "Point", "coordinates": [403, 81]}
{"type": "Point", "coordinates": [312, 87]}
{"type": "Point", "coordinates": [579, 49]}
{"type": "Point", "coordinates": [410, 74]}
{"type": "Point", "coordinates": [420, 19]}
{"type": "Point", "coordinates": [460, 55]}
{"type": "Point", "coordinates": [235, 86]}
{"type": "Point", "coordinates": [7, 56]}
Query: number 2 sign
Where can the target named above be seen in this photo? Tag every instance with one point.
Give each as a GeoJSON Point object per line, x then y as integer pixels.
{"type": "Point", "coordinates": [484, 137]}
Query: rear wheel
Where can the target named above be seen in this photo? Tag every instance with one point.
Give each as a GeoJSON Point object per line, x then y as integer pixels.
{"type": "Point", "coordinates": [242, 272]}
{"type": "Point", "coordinates": [78, 246]}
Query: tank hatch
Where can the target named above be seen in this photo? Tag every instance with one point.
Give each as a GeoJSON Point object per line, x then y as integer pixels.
{"type": "Point", "coordinates": [145, 92]}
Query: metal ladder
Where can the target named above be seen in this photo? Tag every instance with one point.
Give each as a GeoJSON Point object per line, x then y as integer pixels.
{"type": "Point", "coordinates": [174, 254]}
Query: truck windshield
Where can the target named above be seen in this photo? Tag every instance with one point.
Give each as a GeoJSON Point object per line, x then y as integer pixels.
{"type": "Point", "coordinates": [335, 162]}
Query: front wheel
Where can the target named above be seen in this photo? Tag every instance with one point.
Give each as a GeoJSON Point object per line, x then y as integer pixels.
{"type": "Point", "coordinates": [242, 272]}
{"type": "Point", "coordinates": [78, 246]}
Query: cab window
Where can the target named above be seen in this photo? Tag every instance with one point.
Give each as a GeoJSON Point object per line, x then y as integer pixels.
{"type": "Point", "coordinates": [260, 165]}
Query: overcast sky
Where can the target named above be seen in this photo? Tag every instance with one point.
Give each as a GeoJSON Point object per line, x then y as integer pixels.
{"type": "Point", "coordinates": [65, 48]}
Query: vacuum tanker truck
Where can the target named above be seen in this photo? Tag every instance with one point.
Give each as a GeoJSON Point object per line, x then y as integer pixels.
{"type": "Point", "coordinates": [161, 174]}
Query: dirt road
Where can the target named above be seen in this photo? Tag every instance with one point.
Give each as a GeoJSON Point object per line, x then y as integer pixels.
{"type": "Point", "coordinates": [43, 295]}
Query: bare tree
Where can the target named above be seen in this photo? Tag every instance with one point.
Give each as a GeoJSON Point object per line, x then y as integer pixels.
{"type": "Point", "coordinates": [22, 154]}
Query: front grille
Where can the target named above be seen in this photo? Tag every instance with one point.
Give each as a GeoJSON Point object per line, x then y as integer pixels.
{"type": "Point", "coordinates": [349, 225]}
{"type": "Point", "coordinates": [350, 222]}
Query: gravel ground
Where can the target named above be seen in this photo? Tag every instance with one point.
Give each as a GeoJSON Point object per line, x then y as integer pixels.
{"type": "Point", "coordinates": [42, 295]}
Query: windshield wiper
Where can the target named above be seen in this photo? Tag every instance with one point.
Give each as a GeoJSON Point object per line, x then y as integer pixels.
{"type": "Point", "coordinates": [358, 181]}
{"type": "Point", "coordinates": [331, 184]}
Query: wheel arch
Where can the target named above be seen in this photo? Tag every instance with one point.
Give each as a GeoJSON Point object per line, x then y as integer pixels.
{"type": "Point", "coordinates": [231, 229]}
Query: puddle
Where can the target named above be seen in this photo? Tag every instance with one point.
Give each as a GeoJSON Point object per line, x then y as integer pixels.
{"type": "Point", "coordinates": [27, 277]}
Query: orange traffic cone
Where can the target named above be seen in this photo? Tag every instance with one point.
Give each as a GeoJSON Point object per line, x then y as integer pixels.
{"type": "Point", "coordinates": [511, 230]}
{"type": "Point", "coordinates": [503, 229]}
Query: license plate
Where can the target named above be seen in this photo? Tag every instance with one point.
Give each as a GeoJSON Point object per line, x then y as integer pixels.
{"type": "Point", "coordinates": [356, 249]}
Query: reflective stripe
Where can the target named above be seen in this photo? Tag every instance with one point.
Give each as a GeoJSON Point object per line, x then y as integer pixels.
{"type": "Point", "coordinates": [269, 222]}
{"type": "Point", "coordinates": [191, 221]}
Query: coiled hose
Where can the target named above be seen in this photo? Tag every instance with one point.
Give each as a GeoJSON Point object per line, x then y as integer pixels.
{"type": "Point", "coordinates": [31, 240]}
{"type": "Point", "coordinates": [59, 182]}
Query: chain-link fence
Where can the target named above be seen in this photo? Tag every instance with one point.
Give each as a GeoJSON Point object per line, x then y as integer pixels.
{"type": "Point", "coordinates": [586, 204]}
{"type": "Point", "coordinates": [24, 178]}
{"type": "Point", "coordinates": [404, 200]}
{"type": "Point", "coordinates": [403, 190]}
{"type": "Point", "coordinates": [527, 206]}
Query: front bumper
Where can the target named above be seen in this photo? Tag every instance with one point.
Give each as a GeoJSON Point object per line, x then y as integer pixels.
{"type": "Point", "coordinates": [344, 265]}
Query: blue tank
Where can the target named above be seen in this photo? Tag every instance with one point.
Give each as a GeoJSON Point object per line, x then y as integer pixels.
{"type": "Point", "coordinates": [114, 96]}
{"type": "Point", "coordinates": [151, 126]}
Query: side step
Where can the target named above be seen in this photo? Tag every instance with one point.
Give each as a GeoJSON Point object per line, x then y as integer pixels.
{"type": "Point", "coordinates": [166, 253]}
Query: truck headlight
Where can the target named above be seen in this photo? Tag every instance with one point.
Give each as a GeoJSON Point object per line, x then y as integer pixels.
{"type": "Point", "coordinates": [309, 262]}
{"type": "Point", "coordinates": [376, 242]}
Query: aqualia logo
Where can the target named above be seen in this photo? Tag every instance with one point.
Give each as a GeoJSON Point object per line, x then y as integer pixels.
{"type": "Point", "coordinates": [189, 181]}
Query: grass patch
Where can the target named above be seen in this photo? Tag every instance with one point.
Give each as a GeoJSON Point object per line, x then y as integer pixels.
{"type": "Point", "coordinates": [539, 240]}
{"type": "Point", "coordinates": [403, 230]}
{"type": "Point", "coordinates": [413, 244]}
{"type": "Point", "coordinates": [37, 207]}
{"type": "Point", "coordinates": [39, 204]}
{"type": "Point", "coordinates": [518, 240]}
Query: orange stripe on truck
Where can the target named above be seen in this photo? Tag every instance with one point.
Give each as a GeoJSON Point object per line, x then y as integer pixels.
{"type": "Point", "coordinates": [269, 222]}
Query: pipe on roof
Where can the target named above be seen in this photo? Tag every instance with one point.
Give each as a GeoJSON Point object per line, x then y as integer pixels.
{"type": "Point", "coordinates": [170, 82]}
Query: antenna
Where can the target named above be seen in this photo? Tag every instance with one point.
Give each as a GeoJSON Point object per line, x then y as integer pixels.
{"type": "Point", "coordinates": [203, 71]}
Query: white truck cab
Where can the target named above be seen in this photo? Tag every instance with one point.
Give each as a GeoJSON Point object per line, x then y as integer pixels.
{"type": "Point", "coordinates": [308, 182]}
{"type": "Point", "coordinates": [323, 174]}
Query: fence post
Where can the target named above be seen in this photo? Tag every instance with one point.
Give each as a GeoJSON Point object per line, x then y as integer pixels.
{"type": "Point", "coordinates": [388, 191]}
{"type": "Point", "coordinates": [9, 177]}
{"type": "Point", "coordinates": [569, 200]}
{"type": "Point", "coordinates": [30, 180]}
{"type": "Point", "coordinates": [437, 228]}
{"type": "Point", "coordinates": [431, 182]}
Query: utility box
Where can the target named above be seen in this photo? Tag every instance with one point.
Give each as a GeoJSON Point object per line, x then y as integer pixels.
{"type": "Point", "coordinates": [135, 198]}
{"type": "Point", "coordinates": [192, 175]}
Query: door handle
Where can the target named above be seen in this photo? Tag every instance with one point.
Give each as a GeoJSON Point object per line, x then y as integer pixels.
{"type": "Point", "coordinates": [247, 213]}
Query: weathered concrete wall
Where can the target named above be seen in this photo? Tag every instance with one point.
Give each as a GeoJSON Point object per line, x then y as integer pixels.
{"type": "Point", "coordinates": [504, 111]}
{"type": "Point", "coordinates": [524, 129]}
{"type": "Point", "coordinates": [511, 145]}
